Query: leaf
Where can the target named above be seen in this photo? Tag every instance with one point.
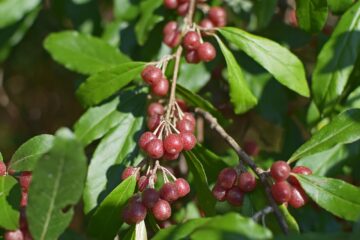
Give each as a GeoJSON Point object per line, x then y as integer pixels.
{"type": "Point", "coordinates": [12, 11]}
{"type": "Point", "coordinates": [205, 198]}
{"type": "Point", "coordinates": [9, 203]}
{"type": "Point", "coordinates": [240, 95]}
{"type": "Point", "coordinates": [344, 128]}
{"type": "Point", "coordinates": [97, 121]}
{"type": "Point", "coordinates": [25, 158]}
{"type": "Point", "coordinates": [263, 12]}
{"type": "Point", "coordinates": [336, 60]}
{"type": "Point", "coordinates": [336, 196]}
{"type": "Point", "coordinates": [83, 53]}
{"type": "Point", "coordinates": [320, 236]}
{"type": "Point", "coordinates": [339, 6]}
{"type": "Point", "coordinates": [291, 221]}
{"type": "Point", "coordinates": [279, 61]}
{"type": "Point", "coordinates": [1, 157]}
{"type": "Point", "coordinates": [103, 84]}
{"type": "Point", "coordinates": [189, 72]}
{"type": "Point", "coordinates": [148, 19]}
{"type": "Point", "coordinates": [57, 183]}
{"type": "Point", "coordinates": [117, 147]}
{"type": "Point", "coordinates": [107, 220]}
{"type": "Point", "coordinates": [126, 9]}
{"type": "Point", "coordinates": [311, 14]}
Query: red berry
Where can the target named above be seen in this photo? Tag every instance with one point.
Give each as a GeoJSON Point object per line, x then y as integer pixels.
{"type": "Point", "coordinates": [189, 117]}
{"type": "Point", "coordinates": [280, 170]}
{"type": "Point", "coordinates": [188, 140]}
{"type": "Point", "coordinates": [169, 192]}
{"type": "Point", "coordinates": [129, 171]}
{"type": "Point", "coordinates": [150, 197]}
{"type": "Point", "coordinates": [161, 88]}
{"type": "Point", "coordinates": [183, 8]}
{"type": "Point", "coordinates": [182, 105]}
{"type": "Point", "coordinates": [155, 109]}
{"type": "Point", "coordinates": [185, 125]}
{"type": "Point", "coordinates": [206, 52]}
{"type": "Point", "coordinates": [143, 182]}
{"type": "Point", "coordinates": [134, 213]}
{"type": "Point", "coordinates": [247, 182]}
{"type": "Point", "coordinates": [298, 197]}
{"type": "Point", "coordinates": [227, 178]}
{"type": "Point", "coordinates": [135, 199]}
{"type": "Point", "coordinates": [25, 179]}
{"type": "Point", "coordinates": [171, 4]}
{"type": "Point", "coordinates": [151, 74]}
{"type": "Point", "coordinates": [170, 27]}
{"type": "Point", "coordinates": [145, 138]}
{"type": "Point", "coordinates": [183, 187]}
{"type": "Point", "coordinates": [206, 23]}
{"type": "Point", "coordinates": [173, 143]}
{"type": "Point", "coordinates": [2, 168]}
{"type": "Point", "coordinates": [251, 148]}
{"type": "Point", "coordinates": [281, 191]}
{"type": "Point", "coordinates": [155, 149]}
{"type": "Point", "coordinates": [172, 39]}
{"type": "Point", "coordinates": [13, 235]}
{"type": "Point", "coordinates": [235, 196]}
{"type": "Point", "coordinates": [191, 40]}
{"type": "Point", "coordinates": [192, 56]}
{"type": "Point", "coordinates": [218, 16]}
{"type": "Point", "coordinates": [161, 210]}
{"type": "Point", "coordinates": [219, 192]}
{"type": "Point", "coordinates": [299, 170]}
{"type": "Point", "coordinates": [170, 157]}
{"type": "Point", "coordinates": [153, 122]}
{"type": "Point", "coordinates": [24, 199]}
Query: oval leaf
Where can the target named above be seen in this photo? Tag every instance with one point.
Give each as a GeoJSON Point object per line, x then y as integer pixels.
{"type": "Point", "coordinates": [311, 14]}
{"type": "Point", "coordinates": [279, 61]}
{"type": "Point", "coordinates": [13, 10]}
{"type": "Point", "coordinates": [9, 202]}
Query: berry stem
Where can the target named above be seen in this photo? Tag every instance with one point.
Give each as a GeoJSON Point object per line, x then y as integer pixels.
{"type": "Point", "coordinates": [262, 213]}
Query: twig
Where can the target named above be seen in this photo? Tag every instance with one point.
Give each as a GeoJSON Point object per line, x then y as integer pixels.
{"type": "Point", "coordinates": [256, 217]}
{"type": "Point", "coordinates": [247, 160]}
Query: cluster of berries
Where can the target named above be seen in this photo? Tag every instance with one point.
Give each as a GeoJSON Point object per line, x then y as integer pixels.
{"type": "Point", "coordinates": [287, 188]}
{"type": "Point", "coordinates": [156, 79]}
{"type": "Point", "coordinates": [231, 186]}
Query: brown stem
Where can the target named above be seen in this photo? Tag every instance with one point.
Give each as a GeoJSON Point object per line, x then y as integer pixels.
{"type": "Point", "coordinates": [247, 160]}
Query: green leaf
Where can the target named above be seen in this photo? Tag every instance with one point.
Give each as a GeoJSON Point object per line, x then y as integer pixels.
{"type": "Point", "coordinates": [97, 121]}
{"type": "Point", "coordinates": [126, 9]}
{"type": "Point", "coordinates": [189, 72]}
{"type": "Point", "coordinates": [83, 53]}
{"type": "Point", "coordinates": [344, 128]}
{"type": "Point", "coordinates": [279, 61]}
{"type": "Point", "coordinates": [25, 158]}
{"type": "Point", "coordinates": [148, 19]}
{"type": "Point", "coordinates": [291, 221]}
{"type": "Point", "coordinates": [240, 95]}
{"type": "Point", "coordinates": [336, 196]}
{"type": "Point", "coordinates": [339, 6]}
{"type": "Point", "coordinates": [107, 220]}
{"type": "Point", "coordinates": [117, 147]}
{"type": "Point", "coordinates": [336, 60]}
{"type": "Point", "coordinates": [205, 198]}
{"type": "Point", "coordinates": [57, 183]}
{"type": "Point", "coordinates": [9, 202]}
{"type": "Point", "coordinates": [1, 157]}
{"type": "Point", "coordinates": [263, 12]}
{"type": "Point", "coordinates": [12, 11]}
{"type": "Point", "coordinates": [103, 84]}
{"type": "Point", "coordinates": [311, 14]}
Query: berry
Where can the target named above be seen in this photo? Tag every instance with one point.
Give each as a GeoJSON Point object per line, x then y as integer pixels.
{"type": "Point", "coordinates": [298, 197]}
{"type": "Point", "coordinates": [182, 104]}
{"type": "Point", "coordinates": [171, 4]}
{"type": "Point", "coordinates": [173, 143]}
{"type": "Point", "coordinates": [235, 196]}
{"type": "Point", "coordinates": [151, 74]}
{"type": "Point", "coordinates": [150, 197]}
{"type": "Point", "coordinates": [185, 125]}
{"type": "Point", "coordinates": [218, 16]}
{"type": "Point", "coordinates": [183, 8]}
{"type": "Point", "coordinates": [192, 56]}
{"type": "Point", "coordinates": [155, 149]}
{"type": "Point", "coordinates": [155, 109]}
{"type": "Point", "coordinates": [281, 191]}
{"type": "Point", "coordinates": [129, 171]}
{"type": "Point", "coordinates": [206, 52]}
{"type": "Point", "coordinates": [191, 40]}
{"type": "Point", "coordinates": [170, 27]}
{"type": "Point", "coordinates": [206, 23]}
{"type": "Point", "coordinates": [143, 182]}
{"type": "Point", "coordinates": [13, 235]}
{"type": "Point", "coordinates": [145, 138]}
{"type": "Point", "coordinates": [161, 88]}
{"type": "Point", "coordinates": [280, 171]}
{"type": "Point", "coordinates": [134, 213]}
{"type": "Point", "coordinates": [227, 177]}
{"type": "Point", "coordinates": [153, 122]}
{"type": "Point", "coordinates": [219, 192]}
{"type": "Point", "coordinates": [170, 157]}
{"type": "Point", "coordinates": [2, 168]}
{"type": "Point", "coordinates": [247, 182]}
{"type": "Point", "coordinates": [172, 39]}
{"type": "Point", "coordinates": [188, 140]}
{"type": "Point", "coordinates": [182, 186]}
{"type": "Point", "coordinates": [169, 192]}
{"type": "Point", "coordinates": [161, 210]}
{"type": "Point", "coordinates": [24, 199]}
{"type": "Point", "coordinates": [25, 179]}
{"type": "Point", "coordinates": [189, 117]}
{"type": "Point", "coordinates": [251, 148]}
{"type": "Point", "coordinates": [135, 199]}
{"type": "Point", "coordinates": [299, 170]}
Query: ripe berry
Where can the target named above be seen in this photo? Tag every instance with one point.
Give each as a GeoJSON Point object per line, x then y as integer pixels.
{"type": "Point", "coordinates": [170, 27]}
{"type": "Point", "coordinates": [151, 74]}
{"type": "Point", "coordinates": [191, 40]}
{"type": "Point", "coordinates": [149, 197]}
{"type": "Point", "coordinates": [206, 23]}
{"type": "Point", "coordinates": [247, 182]}
{"type": "Point", "coordinates": [24, 199]}
{"type": "Point", "coordinates": [192, 56]}
{"type": "Point", "coordinates": [183, 8]}
{"type": "Point", "coordinates": [134, 213]}
{"type": "Point", "coordinates": [182, 186]}
{"type": "Point", "coordinates": [25, 179]}
{"type": "Point", "coordinates": [219, 192]}
{"type": "Point", "coordinates": [171, 4]}
{"type": "Point", "coordinates": [251, 148]}
{"type": "Point", "coordinates": [227, 177]}
{"type": "Point", "coordinates": [281, 191]}
{"type": "Point", "coordinates": [182, 105]}
{"type": "Point", "coordinates": [280, 170]}
{"type": "Point", "coordinates": [13, 235]}
{"type": "Point", "coordinates": [142, 183]}
{"type": "Point", "coordinates": [299, 170]}
{"type": "Point", "coordinates": [172, 39]}
{"type": "Point", "coordinates": [189, 117]}
{"type": "Point", "coordinates": [169, 192]}
{"type": "Point", "coordinates": [173, 143]}
{"type": "Point", "coordinates": [155, 149]}
{"type": "Point", "coordinates": [185, 125]}
{"type": "Point", "coordinates": [206, 52]}
{"type": "Point", "coordinates": [170, 157]}
{"type": "Point", "coordinates": [218, 16]}
{"type": "Point", "coordinates": [2, 168]}
{"type": "Point", "coordinates": [153, 122]}
{"type": "Point", "coordinates": [188, 140]}
{"type": "Point", "coordinates": [135, 199]}
{"type": "Point", "coordinates": [155, 109]}
{"type": "Point", "coordinates": [161, 88]}
{"type": "Point", "coordinates": [161, 210]}
{"type": "Point", "coordinates": [298, 197]}
{"type": "Point", "coordinates": [145, 138]}
{"type": "Point", "coordinates": [235, 196]}
{"type": "Point", "coordinates": [129, 171]}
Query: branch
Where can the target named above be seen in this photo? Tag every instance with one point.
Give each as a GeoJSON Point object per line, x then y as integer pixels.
{"type": "Point", "coordinates": [247, 160]}
{"type": "Point", "coordinates": [263, 212]}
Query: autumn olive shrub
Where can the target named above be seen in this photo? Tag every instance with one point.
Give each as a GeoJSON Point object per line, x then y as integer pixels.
{"type": "Point", "coordinates": [151, 173]}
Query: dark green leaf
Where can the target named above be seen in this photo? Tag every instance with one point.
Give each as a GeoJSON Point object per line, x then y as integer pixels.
{"type": "Point", "coordinates": [279, 61]}
{"type": "Point", "coordinates": [336, 60]}
{"type": "Point", "coordinates": [25, 158]}
{"type": "Point", "coordinates": [130, 234]}
{"type": "Point", "coordinates": [320, 236]}
{"type": "Point", "coordinates": [339, 6]}
{"type": "Point", "coordinates": [336, 196]}
{"type": "Point", "coordinates": [311, 14]}
{"type": "Point", "coordinates": [13, 10]}
{"type": "Point", "coordinates": [107, 220]}
{"type": "Point", "coordinates": [9, 203]}
{"type": "Point", "coordinates": [103, 84]}
{"type": "Point", "coordinates": [57, 183]}
{"type": "Point", "coordinates": [342, 129]}
{"type": "Point", "coordinates": [353, 101]}
{"type": "Point", "coordinates": [189, 72]}
{"type": "Point", "coordinates": [263, 12]}
{"type": "Point", "coordinates": [83, 53]}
